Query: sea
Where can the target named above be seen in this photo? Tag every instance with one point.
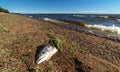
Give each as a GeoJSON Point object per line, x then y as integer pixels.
{"type": "Point", "coordinates": [102, 25]}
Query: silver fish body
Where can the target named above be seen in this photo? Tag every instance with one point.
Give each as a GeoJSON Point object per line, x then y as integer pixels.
{"type": "Point", "coordinates": [45, 54]}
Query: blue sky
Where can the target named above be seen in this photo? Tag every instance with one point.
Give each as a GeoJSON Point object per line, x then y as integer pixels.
{"type": "Point", "coordinates": [62, 6]}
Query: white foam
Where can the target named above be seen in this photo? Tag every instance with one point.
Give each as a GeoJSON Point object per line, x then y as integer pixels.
{"type": "Point", "coordinates": [29, 16]}
{"type": "Point", "coordinates": [118, 19]}
{"type": "Point", "coordinates": [51, 20]}
{"type": "Point", "coordinates": [112, 28]}
{"type": "Point", "coordinates": [105, 17]}
{"type": "Point", "coordinates": [47, 19]}
{"type": "Point", "coordinates": [78, 15]}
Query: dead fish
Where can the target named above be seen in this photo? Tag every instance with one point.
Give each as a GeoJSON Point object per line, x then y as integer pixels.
{"type": "Point", "coordinates": [46, 53]}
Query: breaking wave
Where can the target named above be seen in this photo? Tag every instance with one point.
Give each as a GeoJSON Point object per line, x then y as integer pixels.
{"type": "Point", "coordinates": [48, 19]}
{"type": "Point", "coordinates": [78, 15]}
{"type": "Point", "coordinates": [51, 20]}
{"type": "Point", "coordinates": [112, 28]}
{"type": "Point", "coordinates": [105, 17]}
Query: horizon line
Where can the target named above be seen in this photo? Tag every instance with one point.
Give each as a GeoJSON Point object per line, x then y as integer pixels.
{"type": "Point", "coordinates": [64, 13]}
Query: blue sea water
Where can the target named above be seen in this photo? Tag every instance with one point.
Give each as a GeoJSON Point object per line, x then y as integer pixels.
{"type": "Point", "coordinates": [107, 25]}
{"type": "Point", "coordinates": [99, 19]}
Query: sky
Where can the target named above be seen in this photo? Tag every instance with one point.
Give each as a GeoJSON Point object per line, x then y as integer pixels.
{"type": "Point", "coordinates": [62, 6]}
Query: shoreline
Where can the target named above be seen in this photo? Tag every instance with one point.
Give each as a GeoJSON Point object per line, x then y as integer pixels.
{"type": "Point", "coordinates": [86, 30]}
{"type": "Point", "coordinates": [98, 40]}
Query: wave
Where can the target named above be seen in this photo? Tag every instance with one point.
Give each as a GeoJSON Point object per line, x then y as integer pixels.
{"type": "Point", "coordinates": [112, 28]}
{"type": "Point", "coordinates": [118, 19]}
{"type": "Point", "coordinates": [105, 17]}
{"type": "Point", "coordinates": [48, 19]}
{"type": "Point", "coordinates": [30, 16]}
{"type": "Point", "coordinates": [78, 15]}
{"type": "Point", "coordinates": [52, 20]}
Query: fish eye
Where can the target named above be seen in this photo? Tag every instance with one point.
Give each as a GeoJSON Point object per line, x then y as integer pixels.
{"type": "Point", "coordinates": [43, 52]}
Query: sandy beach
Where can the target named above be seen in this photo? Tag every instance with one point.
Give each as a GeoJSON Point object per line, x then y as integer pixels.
{"type": "Point", "coordinates": [80, 52]}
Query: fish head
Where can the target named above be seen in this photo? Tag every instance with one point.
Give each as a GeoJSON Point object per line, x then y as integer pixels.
{"type": "Point", "coordinates": [44, 54]}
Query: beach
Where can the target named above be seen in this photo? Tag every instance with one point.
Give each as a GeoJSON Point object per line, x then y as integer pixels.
{"type": "Point", "coordinates": [80, 52]}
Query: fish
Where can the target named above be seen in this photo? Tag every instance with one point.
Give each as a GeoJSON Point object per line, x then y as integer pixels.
{"type": "Point", "coordinates": [46, 53]}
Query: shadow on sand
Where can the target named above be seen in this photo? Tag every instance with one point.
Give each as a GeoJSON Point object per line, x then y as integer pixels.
{"type": "Point", "coordinates": [80, 67]}
{"type": "Point", "coordinates": [38, 50]}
